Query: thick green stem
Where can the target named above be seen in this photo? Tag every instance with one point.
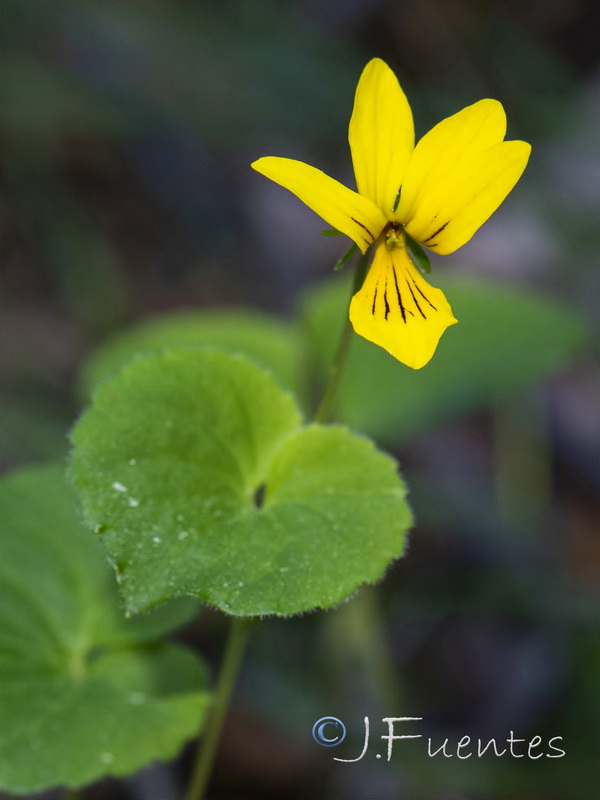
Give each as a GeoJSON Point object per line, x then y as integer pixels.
{"type": "Point", "coordinates": [207, 750]}
{"type": "Point", "coordinates": [338, 364]}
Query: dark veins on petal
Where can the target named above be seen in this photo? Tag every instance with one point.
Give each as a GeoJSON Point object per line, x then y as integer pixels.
{"type": "Point", "coordinates": [364, 227]}
{"type": "Point", "coordinates": [385, 300]}
{"type": "Point", "coordinates": [402, 309]}
{"type": "Point", "coordinates": [433, 235]}
{"type": "Point", "coordinates": [415, 299]}
{"type": "Point", "coordinates": [427, 300]}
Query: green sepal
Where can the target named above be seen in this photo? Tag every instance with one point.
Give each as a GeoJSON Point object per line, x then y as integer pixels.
{"type": "Point", "coordinates": [417, 255]}
{"type": "Point", "coordinates": [345, 258]}
{"type": "Point", "coordinates": [332, 232]}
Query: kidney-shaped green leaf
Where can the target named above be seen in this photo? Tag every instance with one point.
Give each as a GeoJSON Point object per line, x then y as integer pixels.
{"type": "Point", "coordinates": [83, 692]}
{"type": "Point", "coordinates": [196, 470]}
{"type": "Point", "coordinates": [505, 339]}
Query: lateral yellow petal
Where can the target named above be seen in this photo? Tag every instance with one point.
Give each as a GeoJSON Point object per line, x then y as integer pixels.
{"type": "Point", "coordinates": [381, 135]}
{"type": "Point", "coordinates": [448, 216]}
{"type": "Point", "coordinates": [445, 150]}
{"type": "Point", "coordinates": [345, 210]}
{"type": "Point", "coordinates": [398, 310]}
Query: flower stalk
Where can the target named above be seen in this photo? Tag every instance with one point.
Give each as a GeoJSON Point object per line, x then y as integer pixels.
{"type": "Point", "coordinates": [239, 628]}
{"type": "Point", "coordinates": [336, 370]}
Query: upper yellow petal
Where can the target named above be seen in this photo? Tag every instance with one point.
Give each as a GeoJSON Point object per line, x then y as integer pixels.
{"type": "Point", "coordinates": [346, 211]}
{"type": "Point", "coordinates": [381, 135]}
{"type": "Point", "coordinates": [465, 198]}
{"type": "Point", "coordinates": [398, 310]}
{"type": "Point", "coordinates": [446, 149]}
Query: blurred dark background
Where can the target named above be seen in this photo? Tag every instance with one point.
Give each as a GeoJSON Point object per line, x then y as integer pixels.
{"type": "Point", "coordinates": [126, 133]}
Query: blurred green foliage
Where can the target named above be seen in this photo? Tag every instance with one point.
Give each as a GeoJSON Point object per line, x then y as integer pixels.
{"type": "Point", "coordinates": [272, 343]}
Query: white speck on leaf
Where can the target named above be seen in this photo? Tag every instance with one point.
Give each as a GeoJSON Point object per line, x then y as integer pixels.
{"type": "Point", "coordinates": [107, 758]}
{"type": "Point", "coordinates": [156, 539]}
{"type": "Point", "coordinates": [182, 535]}
{"type": "Point", "coordinates": [118, 487]}
{"type": "Point", "coordinates": [131, 501]}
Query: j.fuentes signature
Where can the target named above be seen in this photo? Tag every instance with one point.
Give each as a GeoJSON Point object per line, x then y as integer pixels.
{"type": "Point", "coordinates": [331, 731]}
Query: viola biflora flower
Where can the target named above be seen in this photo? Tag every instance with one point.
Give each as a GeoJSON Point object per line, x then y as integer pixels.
{"type": "Point", "coordinates": [437, 193]}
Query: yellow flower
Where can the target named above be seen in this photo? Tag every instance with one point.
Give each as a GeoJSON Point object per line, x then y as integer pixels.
{"type": "Point", "coordinates": [439, 192]}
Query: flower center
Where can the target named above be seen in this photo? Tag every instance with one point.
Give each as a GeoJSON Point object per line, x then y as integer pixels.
{"type": "Point", "coordinates": [393, 235]}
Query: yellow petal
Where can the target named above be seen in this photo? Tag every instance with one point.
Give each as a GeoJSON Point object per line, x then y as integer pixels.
{"type": "Point", "coordinates": [381, 134]}
{"type": "Point", "coordinates": [448, 216]}
{"type": "Point", "coordinates": [345, 210]}
{"type": "Point", "coordinates": [445, 150]}
{"type": "Point", "coordinates": [398, 310]}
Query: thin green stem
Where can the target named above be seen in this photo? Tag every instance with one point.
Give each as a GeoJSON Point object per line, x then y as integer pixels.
{"type": "Point", "coordinates": [207, 750]}
{"type": "Point", "coordinates": [338, 364]}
